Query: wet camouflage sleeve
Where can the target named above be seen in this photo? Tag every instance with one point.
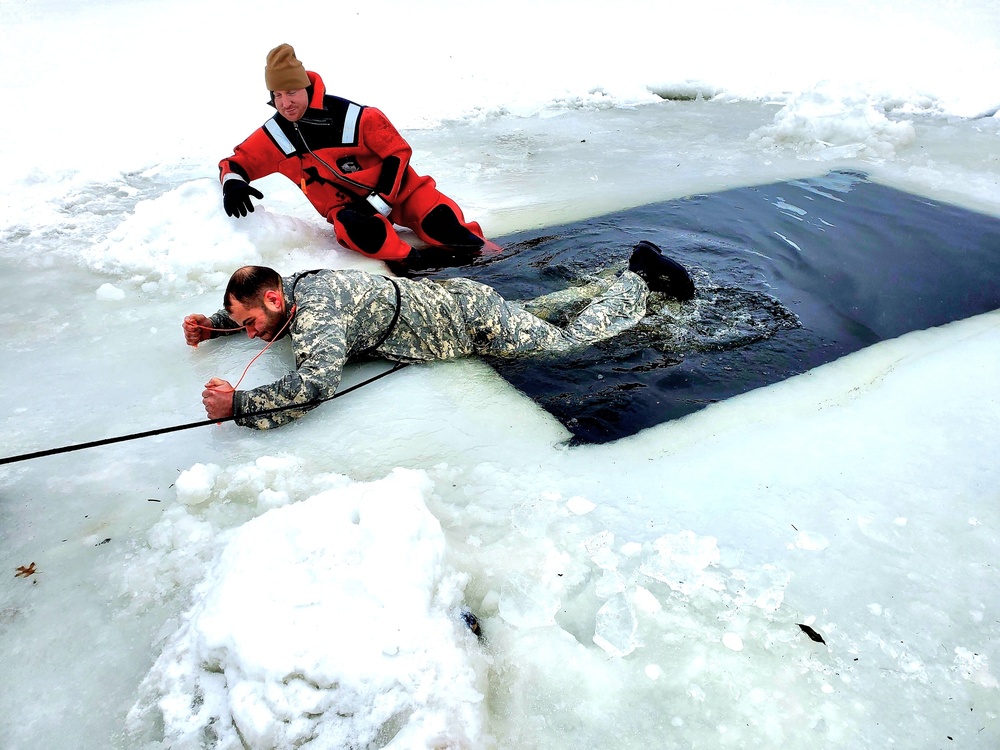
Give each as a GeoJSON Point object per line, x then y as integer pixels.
{"type": "Point", "coordinates": [342, 313]}
{"type": "Point", "coordinates": [224, 325]}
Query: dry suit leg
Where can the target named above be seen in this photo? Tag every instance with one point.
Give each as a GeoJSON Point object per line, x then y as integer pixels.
{"type": "Point", "coordinates": [370, 234]}
{"type": "Point", "coordinates": [434, 217]}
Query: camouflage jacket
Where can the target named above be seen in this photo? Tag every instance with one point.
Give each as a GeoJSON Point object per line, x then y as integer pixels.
{"type": "Point", "coordinates": [340, 314]}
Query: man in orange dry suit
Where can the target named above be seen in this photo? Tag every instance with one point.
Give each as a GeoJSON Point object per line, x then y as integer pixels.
{"type": "Point", "coordinates": [353, 166]}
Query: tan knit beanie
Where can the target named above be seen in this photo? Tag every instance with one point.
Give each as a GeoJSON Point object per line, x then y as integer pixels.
{"type": "Point", "coordinates": [283, 71]}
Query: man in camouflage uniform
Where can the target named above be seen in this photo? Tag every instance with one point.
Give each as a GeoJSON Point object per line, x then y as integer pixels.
{"type": "Point", "coordinates": [332, 316]}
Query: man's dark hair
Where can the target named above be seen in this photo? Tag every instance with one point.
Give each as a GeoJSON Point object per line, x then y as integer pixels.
{"type": "Point", "coordinates": [248, 284]}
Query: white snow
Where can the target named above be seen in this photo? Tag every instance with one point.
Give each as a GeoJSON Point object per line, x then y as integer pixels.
{"type": "Point", "coordinates": [223, 588]}
{"type": "Point", "coordinates": [305, 631]}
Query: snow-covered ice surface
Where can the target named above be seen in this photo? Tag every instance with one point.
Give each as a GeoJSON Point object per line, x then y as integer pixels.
{"type": "Point", "coordinates": [223, 588]}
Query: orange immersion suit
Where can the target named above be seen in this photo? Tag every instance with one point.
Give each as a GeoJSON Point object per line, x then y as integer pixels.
{"type": "Point", "coordinates": [354, 167]}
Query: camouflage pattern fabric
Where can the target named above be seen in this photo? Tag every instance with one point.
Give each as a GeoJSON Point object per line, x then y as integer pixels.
{"type": "Point", "coordinates": [340, 314]}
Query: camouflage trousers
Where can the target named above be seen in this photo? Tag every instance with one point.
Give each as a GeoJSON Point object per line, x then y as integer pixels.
{"type": "Point", "coordinates": [501, 328]}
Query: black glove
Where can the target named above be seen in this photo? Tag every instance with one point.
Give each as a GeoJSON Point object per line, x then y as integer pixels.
{"type": "Point", "coordinates": [236, 197]}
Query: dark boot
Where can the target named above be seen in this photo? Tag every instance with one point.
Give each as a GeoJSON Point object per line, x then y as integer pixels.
{"type": "Point", "coordinates": [660, 273]}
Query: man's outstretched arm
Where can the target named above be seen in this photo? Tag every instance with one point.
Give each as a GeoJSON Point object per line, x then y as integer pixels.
{"type": "Point", "coordinates": [198, 328]}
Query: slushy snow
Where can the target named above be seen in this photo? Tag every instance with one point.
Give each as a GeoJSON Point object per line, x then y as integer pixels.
{"type": "Point", "coordinates": [332, 620]}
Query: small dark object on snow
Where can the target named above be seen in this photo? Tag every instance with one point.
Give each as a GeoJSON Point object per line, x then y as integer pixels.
{"type": "Point", "coordinates": [472, 623]}
{"type": "Point", "coordinates": [812, 634]}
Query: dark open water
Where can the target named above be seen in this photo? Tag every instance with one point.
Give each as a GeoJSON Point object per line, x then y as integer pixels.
{"type": "Point", "coordinates": [790, 276]}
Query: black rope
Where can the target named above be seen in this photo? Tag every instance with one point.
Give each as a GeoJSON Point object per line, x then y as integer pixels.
{"type": "Point", "coordinates": [190, 425]}
{"type": "Point", "coordinates": [392, 323]}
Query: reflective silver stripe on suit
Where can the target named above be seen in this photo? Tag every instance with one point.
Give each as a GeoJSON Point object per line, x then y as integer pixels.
{"type": "Point", "coordinates": [274, 130]}
{"type": "Point", "coordinates": [351, 123]}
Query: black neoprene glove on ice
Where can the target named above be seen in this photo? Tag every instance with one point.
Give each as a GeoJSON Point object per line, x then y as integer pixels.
{"type": "Point", "coordinates": [236, 197]}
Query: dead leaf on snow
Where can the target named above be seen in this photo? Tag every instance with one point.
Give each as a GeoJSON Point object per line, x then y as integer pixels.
{"type": "Point", "coordinates": [813, 635]}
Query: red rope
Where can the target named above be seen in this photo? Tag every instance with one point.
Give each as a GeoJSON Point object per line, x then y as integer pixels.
{"type": "Point", "coordinates": [277, 336]}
